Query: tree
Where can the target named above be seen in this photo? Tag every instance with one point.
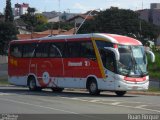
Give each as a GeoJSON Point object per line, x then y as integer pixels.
{"type": "Point", "coordinates": [31, 11]}
{"type": "Point", "coordinates": [120, 21]}
{"type": "Point", "coordinates": [34, 20]}
{"type": "Point", "coordinates": [41, 19]}
{"type": "Point", "coordinates": [8, 12]}
{"type": "Point", "coordinates": [8, 32]}
{"type": "Point", "coordinates": [46, 26]}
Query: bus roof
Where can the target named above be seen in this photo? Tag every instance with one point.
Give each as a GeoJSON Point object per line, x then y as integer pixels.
{"type": "Point", "coordinates": [114, 38]}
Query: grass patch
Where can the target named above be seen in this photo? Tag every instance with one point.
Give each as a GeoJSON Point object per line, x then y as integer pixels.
{"type": "Point", "coordinates": [4, 80]}
{"type": "Point", "coordinates": [152, 89]}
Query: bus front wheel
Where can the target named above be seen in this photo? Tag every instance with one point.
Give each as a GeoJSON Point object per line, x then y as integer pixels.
{"type": "Point", "coordinates": [120, 93]}
{"type": "Point", "coordinates": [93, 88]}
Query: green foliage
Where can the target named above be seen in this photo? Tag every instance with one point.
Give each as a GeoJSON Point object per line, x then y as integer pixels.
{"type": "Point", "coordinates": [153, 89]}
{"type": "Point", "coordinates": [41, 19]}
{"type": "Point", "coordinates": [154, 68]}
{"type": "Point", "coordinates": [34, 22]}
{"type": "Point", "coordinates": [31, 11]}
{"type": "Point", "coordinates": [43, 27]}
{"type": "Point", "coordinates": [62, 25]}
{"type": "Point", "coordinates": [38, 23]}
{"type": "Point", "coordinates": [120, 21]}
{"type": "Point", "coordinates": [3, 81]}
{"type": "Point", "coordinates": [8, 32]}
{"type": "Point", "coordinates": [30, 20]}
{"type": "Point", "coordinates": [8, 12]}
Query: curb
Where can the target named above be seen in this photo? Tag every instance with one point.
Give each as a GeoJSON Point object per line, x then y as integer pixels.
{"type": "Point", "coordinates": [6, 85]}
{"type": "Point", "coordinates": [84, 90]}
{"type": "Point", "coordinates": [144, 93]}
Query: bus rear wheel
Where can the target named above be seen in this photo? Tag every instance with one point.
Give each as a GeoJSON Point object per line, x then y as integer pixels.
{"type": "Point", "coordinates": [120, 93]}
{"type": "Point", "coordinates": [93, 88]}
{"type": "Point", "coordinates": [32, 85]}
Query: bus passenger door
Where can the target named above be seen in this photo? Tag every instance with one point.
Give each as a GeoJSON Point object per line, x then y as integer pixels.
{"type": "Point", "coordinates": [109, 63]}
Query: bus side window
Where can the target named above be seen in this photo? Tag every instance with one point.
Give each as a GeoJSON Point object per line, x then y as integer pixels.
{"type": "Point", "coordinates": [57, 49]}
{"type": "Point", "coordinates": [87, 50]}
{"type": "Point", "coordinates": [54, 51]}
{"type": "Point", "coordinates": [73, 49]}
{"type": "Point", "coordinates": [16, 51]}
{"type": "Point", "coordinates": [28, 50]}
{"type": "Point", "coordinates": [42, 50]}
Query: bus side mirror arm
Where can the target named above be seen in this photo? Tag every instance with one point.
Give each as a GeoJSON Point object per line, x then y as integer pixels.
{"type": "Point", "coordinates": [151, 55]}
{"type": "Point", "coordinates": [115, 51]}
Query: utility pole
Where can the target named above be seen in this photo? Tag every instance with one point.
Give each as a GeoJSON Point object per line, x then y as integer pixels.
{"type": "Point", "coordinates": [140, 23]}
{"type": "Point", "coordinates": [59, 26]}
{"type": "Point", "coordinates": [84, 20]}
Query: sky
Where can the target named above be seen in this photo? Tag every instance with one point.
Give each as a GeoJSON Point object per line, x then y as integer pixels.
{"type": "Point", "coordinates": [80, 6]}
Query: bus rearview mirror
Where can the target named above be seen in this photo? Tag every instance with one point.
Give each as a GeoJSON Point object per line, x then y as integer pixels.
{"type": "Point", "coordinates": [151, 55]}
{"type": "Point", "coordinates": [115, 51]}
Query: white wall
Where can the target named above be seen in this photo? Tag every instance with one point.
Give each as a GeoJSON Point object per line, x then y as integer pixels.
{"type": "Point", "coordinates": [3, 59]}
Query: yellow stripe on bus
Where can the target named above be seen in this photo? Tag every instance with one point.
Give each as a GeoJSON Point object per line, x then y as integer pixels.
{"type": "Point", "coordinates": [98, 59]}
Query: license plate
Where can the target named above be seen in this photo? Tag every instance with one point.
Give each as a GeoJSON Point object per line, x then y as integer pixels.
{"type": "Point", "coordinates": [135, 87]}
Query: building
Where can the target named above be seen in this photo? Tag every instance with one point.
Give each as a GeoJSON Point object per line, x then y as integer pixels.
{"type": "Point", "coordinates": [58, 16]}
{"type": "Point", "coordinates": [52, 14]}
{"type": "Point", "coordinates": [20, 9]}
{"type": "Point", "coordinates": [155, 5]}
{"type": "Point", "coordinates": [55, 19]}
{"type": "Point", "coordinates": [79, 19]}
{"type": "Point", "coordinates": [151, 15]}
{"type": "Point", "coordinates": [45, 33]}
{"type": "Point", "coordinates": [21, 26]}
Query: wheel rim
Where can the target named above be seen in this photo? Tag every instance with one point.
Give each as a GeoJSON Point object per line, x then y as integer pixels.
{"type": "Point", "coordinates": [32, 84]}
{"type": "Point", "coordinates": [93, 87]}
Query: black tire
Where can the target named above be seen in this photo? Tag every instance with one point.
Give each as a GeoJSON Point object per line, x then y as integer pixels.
{"type": "Point", "coordinates": [32, 85]}
{"type": "Point", "coordinates": [120, 93]}
{"type": "Point", "coordinates": [55, 89]}
{"type": "Point", "coordinates": [93, 88]}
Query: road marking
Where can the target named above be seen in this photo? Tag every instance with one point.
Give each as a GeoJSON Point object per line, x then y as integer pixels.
{"type": "Point", "coordinates": [141, 106]}
{"type": "Point", "coordinates": [93, 101]}
{"type": "Point", "coordinates": [5, 94]}
{"type": "Point", "coordinates": [74, 99]}
{"type": "Point", "coordinates": [98, 101]}
{"type": "Point", "coordinates": [25, 103]}
{"type": "Point", "coordinates": [114, 104]}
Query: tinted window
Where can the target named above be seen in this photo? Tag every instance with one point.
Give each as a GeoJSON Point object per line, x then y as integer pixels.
{"type": "Point", "coordinates": [74, 49]}
{"type": "Point", "coordinates": [80, 49]}
{"type": "Point", "coordinates": [28, 50]}
{"type": "Point", "coordinates": [57, 49]}
{"type": "Point", "coordinates": [102, 44]}
{"type": "Point", "coordinates": [106, 56]}
{"type": "Point", "coordinates": [87, 50]}
{"type": "Point", "coordinates": [42, 50]}
{"type": "Point", "coordinates": [16, 50]}
{"type": "Point", "coordinates": [108, 60]}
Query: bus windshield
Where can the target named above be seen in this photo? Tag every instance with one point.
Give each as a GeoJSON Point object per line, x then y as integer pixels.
{"type": "Point", "coordinates": [132, 61]}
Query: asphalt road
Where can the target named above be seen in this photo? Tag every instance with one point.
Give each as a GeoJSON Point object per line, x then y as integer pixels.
{"type": "Point", "coordinates": [19, 100]}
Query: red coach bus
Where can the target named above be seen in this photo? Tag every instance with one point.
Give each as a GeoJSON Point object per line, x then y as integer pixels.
{"type": "Point", "coordinates": [97, 62]}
